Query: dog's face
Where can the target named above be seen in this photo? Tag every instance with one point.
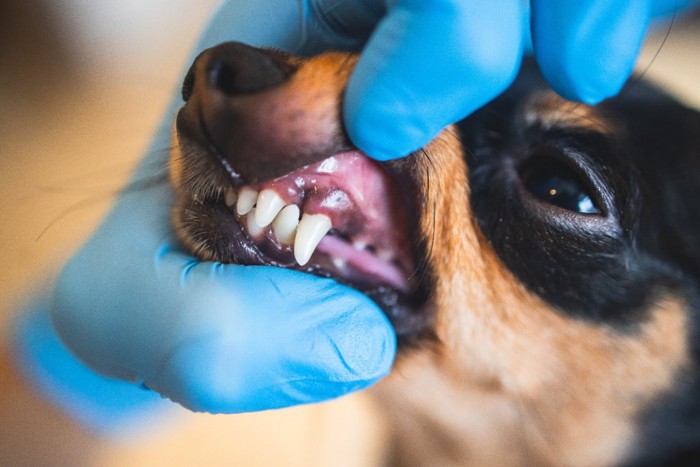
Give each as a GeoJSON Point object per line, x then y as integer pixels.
{"type": "Point", "coordinates": [539, 262]}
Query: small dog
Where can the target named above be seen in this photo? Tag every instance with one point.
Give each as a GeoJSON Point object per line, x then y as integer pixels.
{"type": "Point", "coordinates": [539, 261]}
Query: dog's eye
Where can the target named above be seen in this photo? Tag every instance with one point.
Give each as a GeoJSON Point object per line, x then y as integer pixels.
{"type": "Point", "coordinates": [554, 182]}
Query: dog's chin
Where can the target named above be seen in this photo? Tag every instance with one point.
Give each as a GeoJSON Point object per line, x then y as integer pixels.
{"type": "Point", "coordinates": [345, 217]}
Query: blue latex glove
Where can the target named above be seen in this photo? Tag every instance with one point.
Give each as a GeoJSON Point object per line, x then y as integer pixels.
{"type": "Point", "coordinates": [431, 63]}
{"type": "Point", "coordinates": [231, 338]}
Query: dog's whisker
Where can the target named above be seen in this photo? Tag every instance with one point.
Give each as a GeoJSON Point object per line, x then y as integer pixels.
{"type": "Point", "coordinates": [421, 269]}
{"type": "Point", "coordinates": [639, 76]}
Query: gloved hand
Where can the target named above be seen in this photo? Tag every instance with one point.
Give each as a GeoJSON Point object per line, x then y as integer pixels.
{"type": "Point", "coordinates": [430, 63]}
{"type": "Point", "coordinates": [231, 338]}
{"type": "Point", "coordinates": [213, 337]}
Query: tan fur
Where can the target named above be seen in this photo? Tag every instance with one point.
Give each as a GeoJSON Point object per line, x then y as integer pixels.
{"type": "Point", "coordinates": [549, 110]}
{"type": "Point", "coordinates": [309, 102]}
{"type": "Point", "coordinates": [510, 381]}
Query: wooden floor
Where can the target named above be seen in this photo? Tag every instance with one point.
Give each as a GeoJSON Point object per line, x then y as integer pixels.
{"type": "Point", "coordinates": [72, 126]}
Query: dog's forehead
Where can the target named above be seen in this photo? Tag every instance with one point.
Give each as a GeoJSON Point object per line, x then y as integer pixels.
{"type": "Point", "coordinates": [547, 110]}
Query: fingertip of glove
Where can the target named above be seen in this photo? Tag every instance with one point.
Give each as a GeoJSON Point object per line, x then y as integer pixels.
{"type": "Point", "coordinates": [395, 106]}
{"type": "Point", "coordinates": [352, 339]}
{"type": "Point", "coordinates": [585, 82]}
{"type": "Point", "coordinates": [381, 143]}
{"type": "Point", "coordinates": [366, 347]}
{"type": "Point", "coordinates": [382, 126]}
{"type": "Point", "coordinates": [588, 51]}
{"type": "Point", "coordinates": [370, 128]}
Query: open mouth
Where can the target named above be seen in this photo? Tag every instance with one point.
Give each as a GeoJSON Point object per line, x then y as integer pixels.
{"type": "Point", "coordinates": [341, 216]}
{"type": "Point", "coordinates": [344, 217]}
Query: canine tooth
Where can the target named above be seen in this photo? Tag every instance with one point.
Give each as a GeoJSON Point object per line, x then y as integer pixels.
{"type": "Point", "coordinates": [254, 230]}
{"type": "Point", "coordinates": [246, 201]}
{"type": "Point", "coordinates": [230, 197]}
{"type": "Point", "coordinates": [268, 206]}
{"type": "Point", "coordinates": [311, 230]}
{"type": "Point", "coordinates": [285, 224]}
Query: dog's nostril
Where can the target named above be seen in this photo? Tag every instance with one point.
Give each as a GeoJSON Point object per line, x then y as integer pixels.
{"type": "Point", "coordinates": [224, 78]}
{"type": "Point", "coordinates": [188, 85]}
{"type": "Point", "coordinates": [236, 69]}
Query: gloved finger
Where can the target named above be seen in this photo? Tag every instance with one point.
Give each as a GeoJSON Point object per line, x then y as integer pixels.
{"type": "Point", "coordinates": [429, 64]}
{"type": "Point", "coordinates": [587, 49]}
{"type": "Point", "coordinates": [219, 338]}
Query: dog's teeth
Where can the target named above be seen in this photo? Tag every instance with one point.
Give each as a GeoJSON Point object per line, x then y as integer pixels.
{"type": "Point", "coordinates": [230, 197]}
{"type": "Point", "coordinates": [269, 204]}
{"type": "Point", "coordinates": [246, 200]}
{"type": "Point", "coordinates": [359, 245]}
{"type": "Point", "coordinates": [285, 224]}
{"type": "Point", "coordinates": [254, 230]}
{"type": "Point", "coordinates": [311, 230]}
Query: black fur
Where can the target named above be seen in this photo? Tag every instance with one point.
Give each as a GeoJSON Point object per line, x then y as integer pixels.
{"type": "Point", "coordinates": [607, 269]}
{"type": "Point", "coordinates": [603, 268]}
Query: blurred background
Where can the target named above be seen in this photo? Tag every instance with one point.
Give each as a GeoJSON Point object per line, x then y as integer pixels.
{"type": "Point", "coordinates": [83, 85]}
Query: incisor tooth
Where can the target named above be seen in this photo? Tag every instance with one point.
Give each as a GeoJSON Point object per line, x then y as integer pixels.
{"type": "Point", "coordinates": [230, 197]}
{"type": "Point", "coordinates": [268, 206]}
{"type": "Point", "coordinates": [246, 201]}
{"type": "Point", "coordinates": [311, 230]}
{"type": "Point", "coordinates": [285, 224]}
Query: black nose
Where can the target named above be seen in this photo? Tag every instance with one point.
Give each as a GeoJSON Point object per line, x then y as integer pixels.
{"type": "Point", "coordinates": [236, 69]}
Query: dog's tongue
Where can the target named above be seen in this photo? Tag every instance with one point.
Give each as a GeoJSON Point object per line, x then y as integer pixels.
{"type": "Point", "coordinates": [350, 198]}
